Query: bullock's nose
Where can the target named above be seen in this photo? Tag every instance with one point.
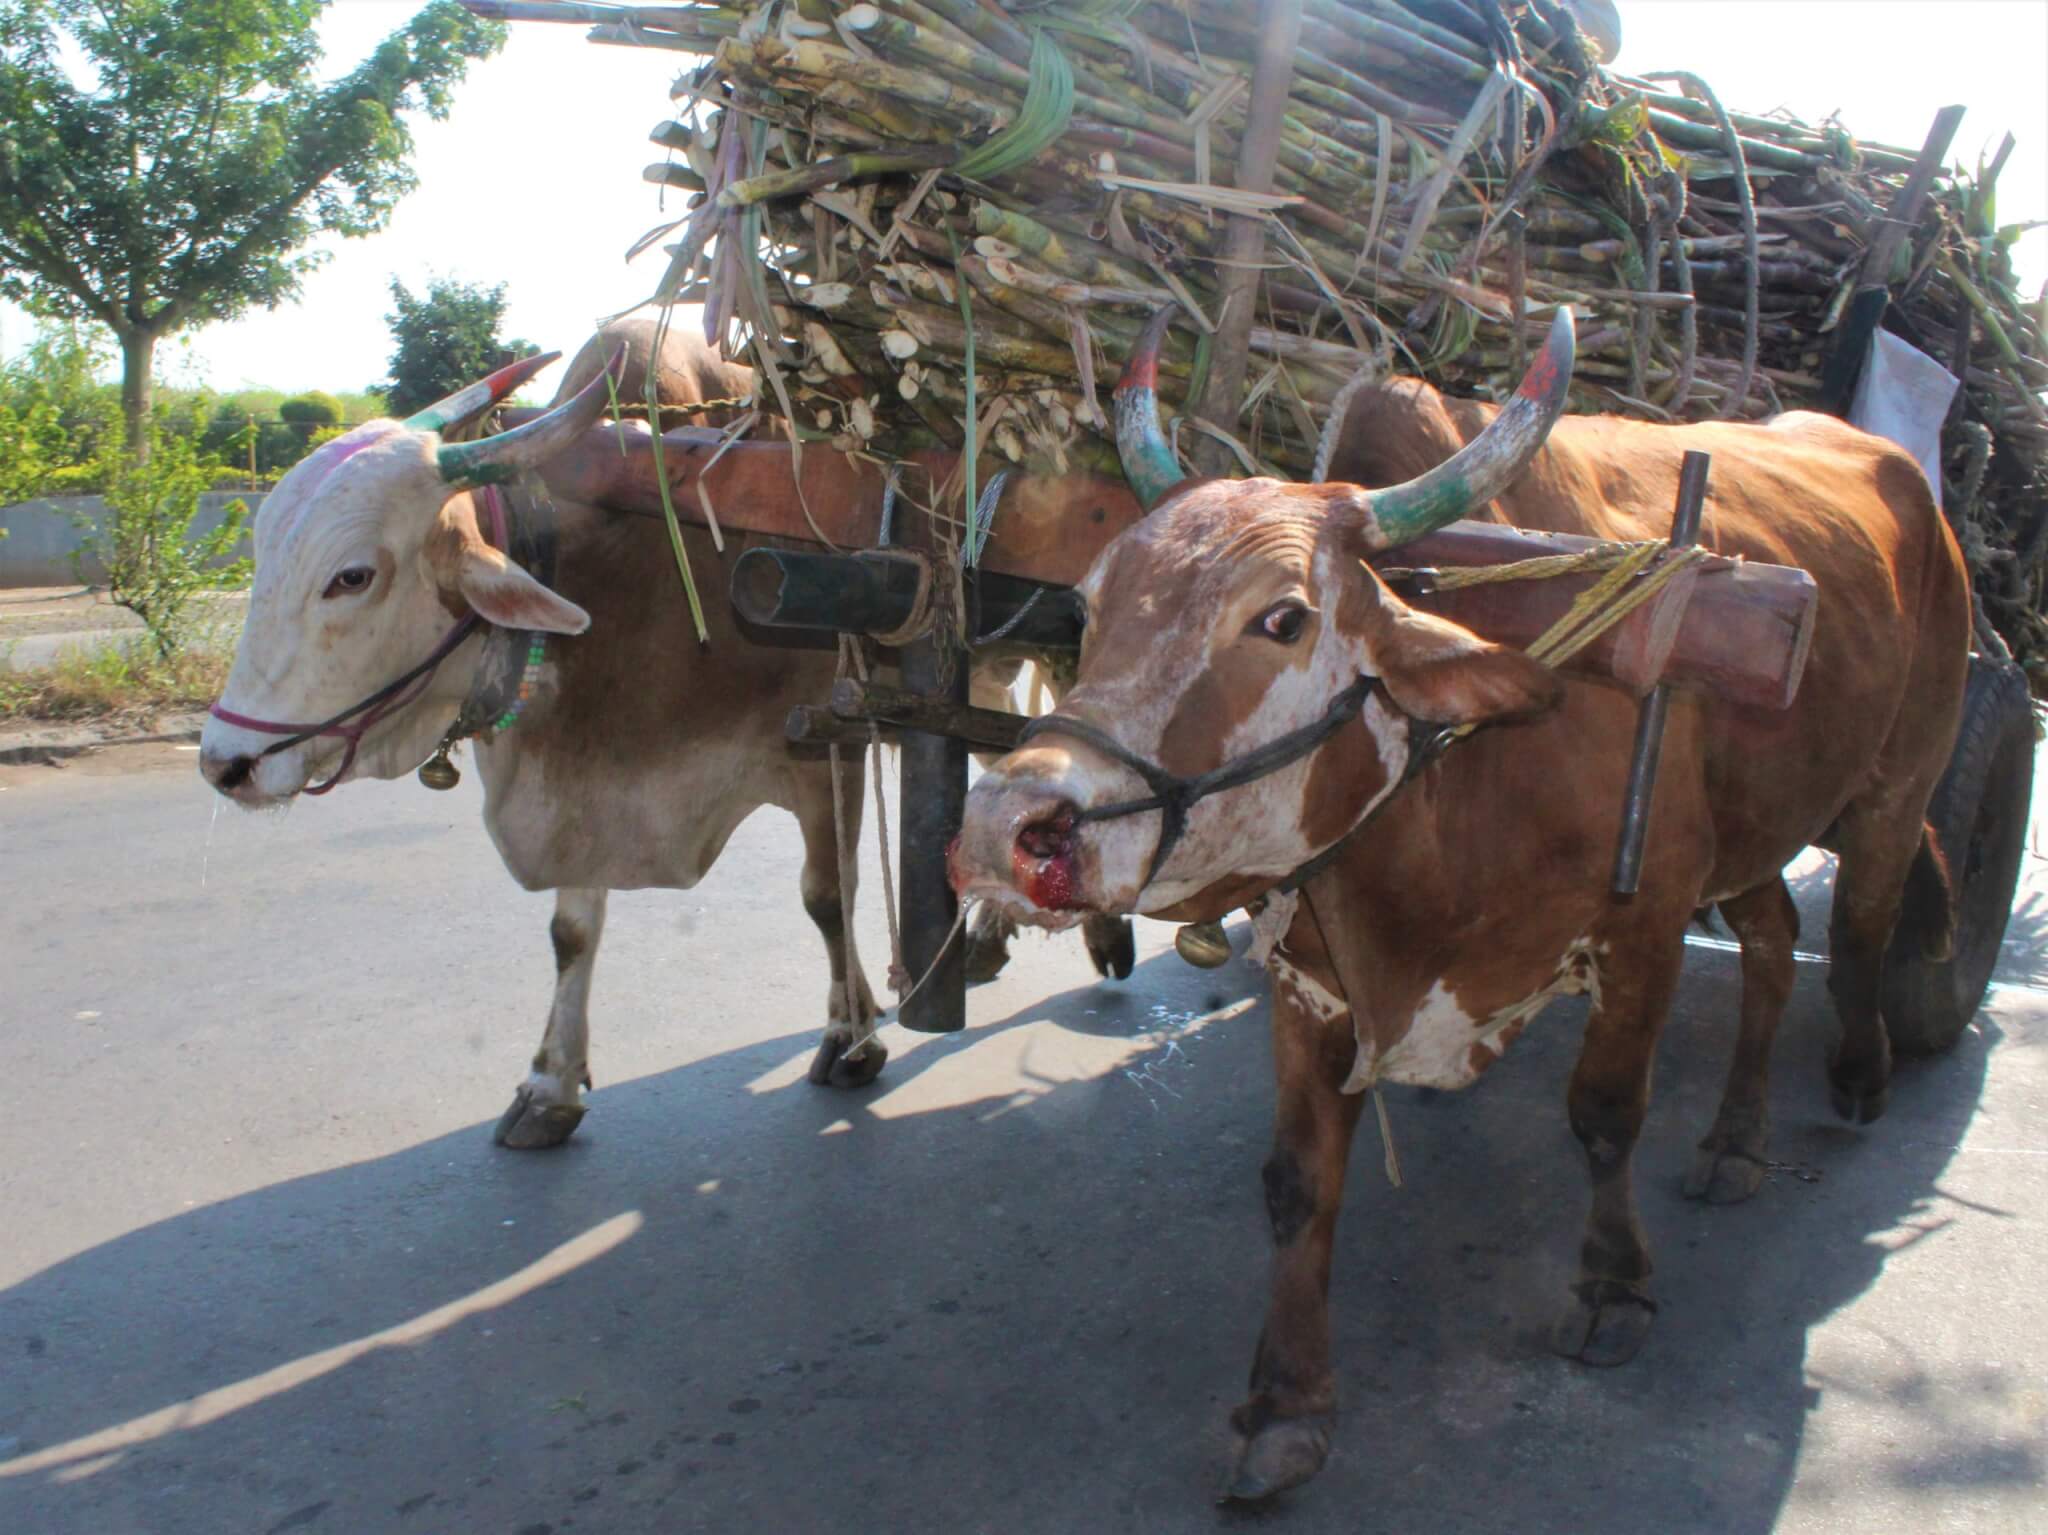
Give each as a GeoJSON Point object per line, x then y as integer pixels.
{"type": "Point", "coordinates": [226, 773]}
{"type": "Point", "coordinates": [1021, 831]}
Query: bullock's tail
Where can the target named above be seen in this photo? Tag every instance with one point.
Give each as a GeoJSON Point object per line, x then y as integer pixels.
{"type": "Point", "coordinates": [1928, 906]}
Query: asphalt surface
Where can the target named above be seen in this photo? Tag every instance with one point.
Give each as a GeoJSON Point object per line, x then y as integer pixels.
{"type": "Point", "coordinates": [262, 1270]}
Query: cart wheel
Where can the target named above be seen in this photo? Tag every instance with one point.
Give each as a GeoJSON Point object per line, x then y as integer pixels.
{"type": "Point", "coordinates": [1979, 816]}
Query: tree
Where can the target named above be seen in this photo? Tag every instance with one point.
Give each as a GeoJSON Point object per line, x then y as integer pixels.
{"type": "Point", "coordinates": [311, 411]}
{"type": "Point", "coordinates": [444, 340]}
{"type": "Point", "coordinates": [178, 181]}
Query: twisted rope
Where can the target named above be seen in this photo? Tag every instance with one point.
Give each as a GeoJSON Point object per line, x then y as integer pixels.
{"type": "Point", "coordinates": [1600, 606]}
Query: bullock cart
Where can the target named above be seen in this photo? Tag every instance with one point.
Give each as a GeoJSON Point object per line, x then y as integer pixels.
{"type": "Point", "coordinates": [927, 222]}
{"type": "Point", "coordinates": [848, 561]}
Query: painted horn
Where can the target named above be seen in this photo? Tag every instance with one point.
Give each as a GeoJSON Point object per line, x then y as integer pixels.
{"type": "Point", "coordinates": [1485, 466]}
{"type": "Point", "coordinates": [492, 460]}
{"type": "Point", "coordinates": [458, 407]}
{"type": "Point", "coordinates": [1141, 443]}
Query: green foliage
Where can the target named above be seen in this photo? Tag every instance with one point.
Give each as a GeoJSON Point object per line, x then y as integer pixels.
{"type": "Point", "coordinates": [163, 163]}
{"type": "Point", "coordinates": [358, 406]}
{"type": "Point", "coordinates": [444, 339]}
{"type": "Point", "coordinates": [155, 563]}
{"type": "Point", "coordinates": [315, 409]}
{"type": "Point", "coordinates": [228, 430]}
{"type": "Point", "coordinates": [53, 413]}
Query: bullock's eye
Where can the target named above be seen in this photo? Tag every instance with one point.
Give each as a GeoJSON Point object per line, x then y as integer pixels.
{"type": "Point", "coordinates": [352, 582]}
{"type": "Point", "coordinates": [1283, 621]}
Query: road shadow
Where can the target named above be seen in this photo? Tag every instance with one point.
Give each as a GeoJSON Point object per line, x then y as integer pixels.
{"type": "Point", "coordinates": [1013, 1287]}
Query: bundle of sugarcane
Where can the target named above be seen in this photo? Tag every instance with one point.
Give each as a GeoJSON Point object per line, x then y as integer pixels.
{"type": "Point", "coordinates": [942, 222]}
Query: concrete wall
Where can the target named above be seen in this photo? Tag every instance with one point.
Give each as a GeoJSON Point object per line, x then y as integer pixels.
{"type": "Point", "coordinates": [41, 535]}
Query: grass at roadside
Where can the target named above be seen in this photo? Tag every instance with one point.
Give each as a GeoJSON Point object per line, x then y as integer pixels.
{"type": "Point", "coordinates": [114, 683]}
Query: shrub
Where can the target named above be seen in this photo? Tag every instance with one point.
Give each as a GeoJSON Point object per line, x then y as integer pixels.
{"type": "Point", "coordinates": [314, 409]}
{"type": "Point", "coordinates": [155, 563]}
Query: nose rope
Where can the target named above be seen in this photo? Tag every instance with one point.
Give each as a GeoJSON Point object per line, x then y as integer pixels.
{"type": "Point", "coordinates": [1174, 796]}
{"type": "Point", "coordinates": [387, 700]}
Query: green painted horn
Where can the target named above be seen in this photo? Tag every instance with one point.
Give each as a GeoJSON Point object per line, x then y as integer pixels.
{"type": "Point", "coordinates": [1141, 444]}
{"type": "Point", "coordinates": [492, 460]}
{"type": "Point", "coordinates": [1485, 466]}
{"type": "Point", "coordinates": [458, 407]}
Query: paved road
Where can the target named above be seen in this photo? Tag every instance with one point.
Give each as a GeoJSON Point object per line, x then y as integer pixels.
{"type": "Point", "coordinates": [261, 1270]}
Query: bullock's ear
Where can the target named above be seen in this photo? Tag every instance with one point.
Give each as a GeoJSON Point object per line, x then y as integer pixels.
{"type": "Point", "coordinates": [497, 588]}
{"type": "Point", "coordinates": [1437, 671]}
{"type": "Point", "coordinates": [507, 596]}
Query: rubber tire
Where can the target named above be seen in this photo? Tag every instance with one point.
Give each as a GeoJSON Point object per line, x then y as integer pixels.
{"type": "Point", "coordinates": [1979, 815]}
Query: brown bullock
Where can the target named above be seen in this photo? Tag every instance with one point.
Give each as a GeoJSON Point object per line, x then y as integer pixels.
{"type": "Point", "coordinates": [1237, 612]}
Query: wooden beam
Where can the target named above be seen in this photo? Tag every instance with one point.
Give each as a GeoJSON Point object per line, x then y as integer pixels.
{"type": "Point", "coordinates": [1244, 245]}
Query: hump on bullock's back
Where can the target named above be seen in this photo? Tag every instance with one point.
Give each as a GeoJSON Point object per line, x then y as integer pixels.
{"type": "Point", "coordinates": [691, 370]}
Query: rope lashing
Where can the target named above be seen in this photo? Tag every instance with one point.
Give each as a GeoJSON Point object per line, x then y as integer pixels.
{"type": "Point", "coordinates": [1633, 574]}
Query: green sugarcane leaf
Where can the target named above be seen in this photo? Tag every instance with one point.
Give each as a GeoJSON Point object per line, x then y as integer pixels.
{"type": "Point", "coordinates": [1048, 106]}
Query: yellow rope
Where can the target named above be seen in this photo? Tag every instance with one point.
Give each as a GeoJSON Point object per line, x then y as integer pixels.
{"type": "Point", "coordinates": [1541, 568]}
{"type": "Point", "coordinates": [1600, 606]}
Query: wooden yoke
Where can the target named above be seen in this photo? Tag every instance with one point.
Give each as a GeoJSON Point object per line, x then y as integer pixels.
{"type": "Point", "coordinates": [1743, 635]}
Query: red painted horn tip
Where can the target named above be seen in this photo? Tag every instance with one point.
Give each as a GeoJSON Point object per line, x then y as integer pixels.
{"type": "Point", "coordinates": [503, 381]}
{"type": "Point", "coordinates": [1141, 369]}
{"type": "Point", "coordinates": [1541, 381]}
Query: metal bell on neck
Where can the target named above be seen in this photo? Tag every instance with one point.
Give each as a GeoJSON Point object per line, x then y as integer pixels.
{"type": "Point", "coordinates": [437, 772]}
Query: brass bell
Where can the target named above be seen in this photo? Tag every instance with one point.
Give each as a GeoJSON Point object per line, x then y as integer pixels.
{"type": "Point", "coordinates": [1203, 945]}
{"type": "Point", "coordinates": [437, 772]}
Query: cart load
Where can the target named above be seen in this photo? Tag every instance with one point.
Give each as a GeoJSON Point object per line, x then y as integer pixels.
{"type": "Point", "coordinates": [917, 214]}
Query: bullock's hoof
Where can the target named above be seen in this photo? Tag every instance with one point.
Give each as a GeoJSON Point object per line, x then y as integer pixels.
{"type": "Point", "coordinates": [1854, 1098]}
{"type": "Point", "coordinates": [837, 1064]}
{"type": "Point", "coordinates": [532, 1126]}
{"type": "Point", "coordinates": [986, 956]}
{"type": "Point", "coordinates": [1113, 946]}
{"type": "Point", "coordinates": [1606, 1325]}
{"type": "Point", "coordinates": [1724, 1175]}
{"type": "Point", "coordinates": [1283, 1454]}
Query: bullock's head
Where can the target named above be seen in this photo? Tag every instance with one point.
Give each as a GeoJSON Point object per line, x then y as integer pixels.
{"type": "Point", "coordinates": [1232, 616]}
{"type": "Point", "coordinates": [367, 554]}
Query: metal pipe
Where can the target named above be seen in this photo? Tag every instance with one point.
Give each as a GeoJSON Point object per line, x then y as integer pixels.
{"type": "Point", "coordinates": [933, 785]}
{"type": "Point", "coordinates": [1640, 796]}
{"type": "Point", "coordinates": [872, 593]}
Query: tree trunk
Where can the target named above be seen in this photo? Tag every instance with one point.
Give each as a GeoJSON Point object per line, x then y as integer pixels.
{"type": "Point", "coordinates": [138, 385]}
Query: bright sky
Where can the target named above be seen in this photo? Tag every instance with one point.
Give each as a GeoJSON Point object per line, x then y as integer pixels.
{"type": "Point", "coordinates": [535, 178]}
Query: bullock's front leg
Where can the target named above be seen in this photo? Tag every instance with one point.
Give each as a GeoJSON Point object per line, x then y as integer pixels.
{"type": "Point", "coordinates": [549, 1103]}
{"type": "Point", "coordinates": [1732, 1159]}
{"type": "Point", "coordinates": [1112, 945]}
{"type": "Point", "coordinates": [989, 933]}
{"type": "Point", "coordinates": [1611, 1310]}
{"type": "Point", "coordinates": [1285, 1422]}
{"type": "Point", "coordinates": [850, 1055]}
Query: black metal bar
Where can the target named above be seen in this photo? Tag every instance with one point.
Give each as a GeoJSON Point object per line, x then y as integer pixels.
{"type": "Point", "coordinates": [799, 588]}
{"type": "Point", "coordinates": [1873, 286]}
{"type": "Point", "coordinates": [870, 593]}
{"type": "Point", "coordinates": [1649, 746]}
{"type": "Point", "coordinates": [933, 786]}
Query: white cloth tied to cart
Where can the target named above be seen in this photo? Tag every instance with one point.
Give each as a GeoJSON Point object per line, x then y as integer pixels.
{"type": "Point", "coordinates": [1904, 395]}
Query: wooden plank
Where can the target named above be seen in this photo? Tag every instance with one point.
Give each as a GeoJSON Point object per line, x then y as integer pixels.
{"type": "Point", "coordinates": [1744, 638]}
